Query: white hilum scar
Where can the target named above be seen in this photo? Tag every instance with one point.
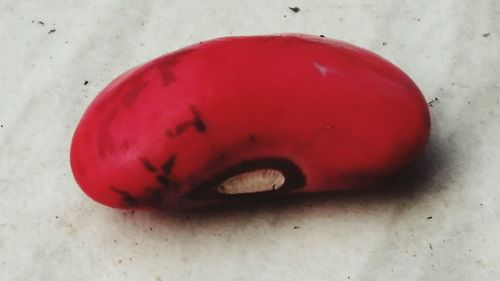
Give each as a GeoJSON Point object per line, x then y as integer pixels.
{"type": "Point", "coordinates": [252, 182]}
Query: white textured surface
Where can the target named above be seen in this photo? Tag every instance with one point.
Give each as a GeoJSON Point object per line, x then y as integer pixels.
{"type": "Point", "coordinates": [49, 230]}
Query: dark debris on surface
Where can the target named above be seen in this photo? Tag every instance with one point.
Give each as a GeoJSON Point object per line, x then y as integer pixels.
{"type": "Point", "coordinates": [433, 101]}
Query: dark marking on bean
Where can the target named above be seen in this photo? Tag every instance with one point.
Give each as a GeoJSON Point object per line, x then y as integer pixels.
{"type": "Point", "coordinates": [154, 196]}
{"type": "Point", "coordinates": [174, 184]}
{"type": "Point", "coordinates": [167, 167]}
{"type": "Point", "coordinates": [180, 128]}
{"type": "Point", "coordinates": [163, 180]}
{"type": "Point", "coordinates": [127, 199]}
{"type": "Point", "coordinates": [197, 122]}
{"type": "Point", "coordinates": [166, 73]}
{"type": "Point", "coordinates": [150, 167]}
{"type": "Point", "coordinates": [131, 91]}
{"type": "Point", "coordinates": [166, 65]}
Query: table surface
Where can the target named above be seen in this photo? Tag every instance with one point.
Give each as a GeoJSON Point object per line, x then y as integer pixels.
{"type": "Point", "coordinates": [441, 222]}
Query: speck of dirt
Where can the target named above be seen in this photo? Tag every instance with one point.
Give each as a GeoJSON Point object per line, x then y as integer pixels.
{"type": "Point", "coordinates": [57, 217]}
{"type": "Point", "coordinates": [52, 31]}
{"type": "Point", "coordinates": [119, 261]}
{"type": "Point", "coordinates": [429, 218]}
{"type": "Point", "coordinates": [296, 227]}
{"type": "Point", "coordinates": [150, 229]}
{"type": "Point", "coordinates": [41, 22]}
{"type": "Point", "coordinates": [384, 43]}
{"type": "Point", "coordinates": [188, 217]}
{"type": "Point", "coordinates": [294, 9]}
{"type": "Point", "coordinates": [284, 16]}
{"type": "Point", "coordinates": [430, 246]}
{"type": "Point", "coordinates": [486, 35]}
{"type": "Point", "coordinates": [85, 82]}
{"type": "Point", "coordinates": [1, 126]}
{"type": "Point", "coordinates": [322, 36]}
{"type": "Point", "coordinates": [431, 103]}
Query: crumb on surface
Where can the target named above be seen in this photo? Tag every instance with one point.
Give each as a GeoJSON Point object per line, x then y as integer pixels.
{"type": "Point", "coordinates": [431, 103]}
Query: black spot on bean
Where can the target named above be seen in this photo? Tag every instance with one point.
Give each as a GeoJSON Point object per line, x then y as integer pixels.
{"type": "Point", "coordinates": [127, 199]}
{"type": "Point", "coordinates": [163, 180]}
{"type": "Point", "coordinates": [150, 167]}
{"type": "Point", "coordinates": [167, 167]}
{"type": "Point", "coordinates": [197, 122]}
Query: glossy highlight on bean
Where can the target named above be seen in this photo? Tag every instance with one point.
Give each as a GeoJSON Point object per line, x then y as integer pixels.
{"type": "Point", "coordinates": [241, 118]}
